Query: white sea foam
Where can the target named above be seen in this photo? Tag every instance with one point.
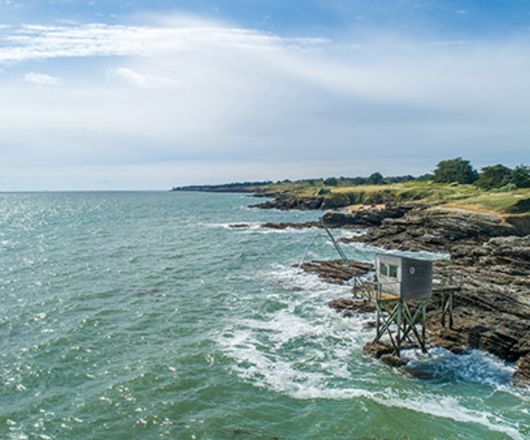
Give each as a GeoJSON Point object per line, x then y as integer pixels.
{"type": "Point", "coordinates": [450, 408]}
{"type": "Point", "coordinates": [249, 226]}
{"type": "Point", "coordinates": [256, 227]}
{"type": "Point", "coordinates": [475, 366]}
{"type": "Point", "coordinates": [307, 351]}
{"type": "Point", "coordinates": [351, 233]}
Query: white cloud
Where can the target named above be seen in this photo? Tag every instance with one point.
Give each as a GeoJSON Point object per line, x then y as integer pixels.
{"type": "Point", "coordinates": [42, 79]}
{"type": "Point", "coordinates": [141, 80]}
{"type": "Point", "coordinates": [33, 42]}
{"type": "Point", "coordinates": [208, 97]}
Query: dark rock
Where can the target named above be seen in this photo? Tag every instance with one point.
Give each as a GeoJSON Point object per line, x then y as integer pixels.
{"type": "Point", "coordinates": [364, 217]}
{"type": "Point", "coordinates": [418, 371]}
{"type": "Point", "coordinates": [350, 305]}
{"type": "Point", "coordinates": [522, 374]}
{"type": "Point", "coordinates": [285, 201]}
{"type": "Point", "coordinates": [451, 340]}
{"type": "Point", "coordinates": [435, 230]}
{"type": "Point", "coordinates": [490, 263]}
{"type": "Point", "coordinates": [264, 193]}
{"type": "Point", "coordinates": [520, 222]}
{"type": "Point", "coordinates": [393, 360]}
{"type": "Point", "coordinates": [239, 225]}
{"type": "Point", "coordinates": [288, 225]}
{"type": "Point", "coordinates": [377, 349]}
{"type": "Point", "coordinates": [335, 201]}
{"type": "Point", "coordinates": [336, 271]}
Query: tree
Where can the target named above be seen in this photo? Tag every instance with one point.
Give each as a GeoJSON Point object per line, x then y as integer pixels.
{"type": "Point", "coordinates": [493, 176]}
{"type": "Point", "coordinates": [331, 181]}
{"type": "Point", "coordinates": [375, 179]}
{"type": "Point", "coordinates": [519, 177]}
{"type": "Point", "coordinates": [400, 179]}
{"type": "Point", "coordinates": [425, 177]}
{"type": "Point", "coordinates": [359, 180]}
{"type": "Point", "coordinates": [455, 170]}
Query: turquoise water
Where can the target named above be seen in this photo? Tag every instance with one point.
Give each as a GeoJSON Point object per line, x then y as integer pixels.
{"type": "Point", "coordinates": [142, 315]}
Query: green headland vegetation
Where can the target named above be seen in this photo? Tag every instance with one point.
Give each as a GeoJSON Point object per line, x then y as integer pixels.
{"type": "Point", "coordinates": [453, 183]}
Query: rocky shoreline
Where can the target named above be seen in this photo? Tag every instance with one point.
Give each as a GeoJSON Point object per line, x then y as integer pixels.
{"type": "Point", "coordinates": [489, 259]}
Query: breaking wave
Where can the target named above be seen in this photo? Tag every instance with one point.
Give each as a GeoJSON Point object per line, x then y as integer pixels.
{"type": "Point", "coordinates": [304, 349]}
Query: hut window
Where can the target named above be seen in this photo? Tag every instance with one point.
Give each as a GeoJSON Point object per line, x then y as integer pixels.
{"type": "Point", "coordinates": [393, 271]}
{"type": "Point", "coordinates": [384, 269]}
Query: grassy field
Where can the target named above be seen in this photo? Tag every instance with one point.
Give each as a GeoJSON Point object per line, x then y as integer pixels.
{"type": "Point", "coordinates": [454, 195]}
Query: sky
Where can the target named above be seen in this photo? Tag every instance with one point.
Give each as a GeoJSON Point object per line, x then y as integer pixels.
{"type": "Point", "coordinates": [124, 94]}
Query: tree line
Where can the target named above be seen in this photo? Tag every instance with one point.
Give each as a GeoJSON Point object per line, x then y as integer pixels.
{"type": "Point", "coordinates": [490, 177]}
{"type": "Point", "coordinates": [448, 171]}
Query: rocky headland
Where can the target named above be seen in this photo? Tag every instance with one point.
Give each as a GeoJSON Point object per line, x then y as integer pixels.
{"type": "Point", "coordinates": [489, 259]}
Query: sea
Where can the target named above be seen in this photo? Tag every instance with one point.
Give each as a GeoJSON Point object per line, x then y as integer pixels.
{"type": "Point", "coordinates": [145, 315]}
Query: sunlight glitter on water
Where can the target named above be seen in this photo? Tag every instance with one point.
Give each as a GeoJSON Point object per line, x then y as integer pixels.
{"type": "Point", "coordinates": [124, 316]}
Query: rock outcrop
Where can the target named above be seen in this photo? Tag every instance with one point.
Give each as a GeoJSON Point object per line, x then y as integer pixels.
{"type": "Point", "coordinates": [279, 226]}
{"type": "Point", "coordinates": [336, 271]}
{"type": "Point", "coordinates": [344, 219]}
{"type": "Point", "coordinates": [349, 306]}
{"type": "Point", "coordinates": [291, 225]}
{"type": "Point", "coordinates": [365, 217]}
{"type": "Point", "coordinates": [435, 230]}
{"type": "Point", "coordinates": [286, 201]}
{"type": "Point", "coordinates": [488, 261]}
{"type": "Point", "coordinates": [522, 374]}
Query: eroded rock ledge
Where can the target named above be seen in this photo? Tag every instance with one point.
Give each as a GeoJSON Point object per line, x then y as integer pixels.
{"type": "Point", "coordinates": [489, 261]}
{"type": "Point", "coordinates": [435, 230]}
{"type": "Point", "coordinates": [336, 271]}
{"type": "Point", "coordinates": [345, 219]}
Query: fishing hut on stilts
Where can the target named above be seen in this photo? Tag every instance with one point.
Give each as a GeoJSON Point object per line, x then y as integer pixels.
{"type": "Point", "coordinates": [402, 290]}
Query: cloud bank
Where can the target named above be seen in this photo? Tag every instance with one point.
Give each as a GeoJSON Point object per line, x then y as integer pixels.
{"type": "Point", "coordinates": [42, 79]}
{"type": "Point", "coordinates": [151, 107]}
{"type": "Point", "coordinates": [36, 42]}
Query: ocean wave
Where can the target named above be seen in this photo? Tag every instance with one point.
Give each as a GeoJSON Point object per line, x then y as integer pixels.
{"type": "Point", "coordinates": [254, 227]}
{"type": "Point", "coordinates": [307, 351]}
{"type": "Point", "coordinates": [474, 366]}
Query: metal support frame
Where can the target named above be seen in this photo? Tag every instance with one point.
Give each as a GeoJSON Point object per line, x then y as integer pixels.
{"type": "Point", "coordinates": [399, 320]}
{"type": "Point", "coordinates": [356, 282]}
{"type": "Point", "coordinates": [447, 307]}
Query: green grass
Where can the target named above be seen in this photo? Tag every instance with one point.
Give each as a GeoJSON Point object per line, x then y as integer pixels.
{"type": "Point", "coordinates": [464, 196]}
{"type": "Point", "coordinates": [516, 202]}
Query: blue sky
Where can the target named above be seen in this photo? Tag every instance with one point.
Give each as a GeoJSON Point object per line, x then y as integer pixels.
{"type": "Point", "coordinates": [458, 18]}
{"type": "Point", "coordinates": [150, 94]}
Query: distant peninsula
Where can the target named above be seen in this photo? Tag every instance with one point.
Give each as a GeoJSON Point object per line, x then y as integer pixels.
{"type": "Point", "coordinates": [495, 189]}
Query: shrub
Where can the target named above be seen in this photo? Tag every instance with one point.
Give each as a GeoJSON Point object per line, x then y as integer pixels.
{"type": "Point", "coordinates": [375, 179]}
{"type": "Point", "coordinates": [455, 170]}
{"type": "Point", "coordinates": [493, 176]}
{"type": "Point", "coordinates": [519, 176]}
{"type": "Point", "coordinates": [331, 181]}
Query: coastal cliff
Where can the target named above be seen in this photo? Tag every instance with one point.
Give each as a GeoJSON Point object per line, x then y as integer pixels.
{"type": "Point", "coordinates": [489, 259]}
{"type": "Point", "coordinates": [485, 234]}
